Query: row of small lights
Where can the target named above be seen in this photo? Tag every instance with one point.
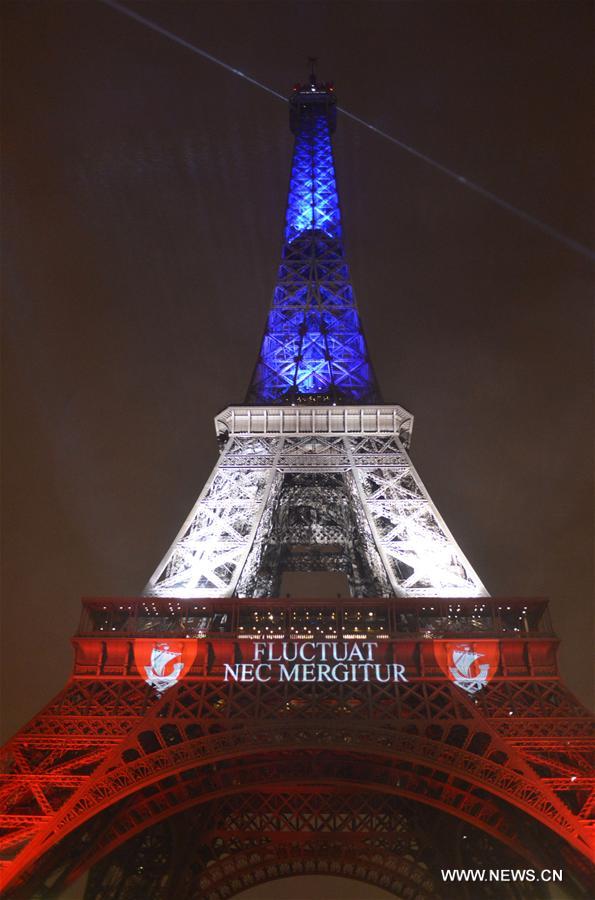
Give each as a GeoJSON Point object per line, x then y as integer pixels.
{"type": "Point", "coordinates": [178, 608]}
{"type": "Point", "coordinates": [292, 628]}
{"type": "Point", "coordinates": [359, 635]}
{"type": "Point", "coordinates": [307, 612]}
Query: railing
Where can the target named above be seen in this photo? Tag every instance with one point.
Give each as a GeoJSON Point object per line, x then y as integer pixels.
{"type": "Point", "coordinates": [353, 618]}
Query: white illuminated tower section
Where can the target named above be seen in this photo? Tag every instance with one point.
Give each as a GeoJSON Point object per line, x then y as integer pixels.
{"type": "Point", "coordinates": [314, 474]}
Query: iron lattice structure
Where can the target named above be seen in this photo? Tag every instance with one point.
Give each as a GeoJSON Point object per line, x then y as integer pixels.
{"type": "Point", "coordinates": [337, 480]}
{"type": "Point", "coordinates": [173, 766]}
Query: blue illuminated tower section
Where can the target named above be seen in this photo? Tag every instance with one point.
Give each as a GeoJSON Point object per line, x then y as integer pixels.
{"type": "Point", "coordinates": [313, 349]}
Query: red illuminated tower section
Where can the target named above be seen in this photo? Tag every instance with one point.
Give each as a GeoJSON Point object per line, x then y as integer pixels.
{"type": "Point", "coordinates": [214, 736]}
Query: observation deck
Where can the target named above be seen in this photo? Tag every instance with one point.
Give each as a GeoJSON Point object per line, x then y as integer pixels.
{"type": "Point", "coordinates": [342, 618]}
{"type": "Point", "coordinates": [404, 630]}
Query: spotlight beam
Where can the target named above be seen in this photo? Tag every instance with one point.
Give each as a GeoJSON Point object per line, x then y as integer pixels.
{"type": "Point", "coordinates": [552, 232]}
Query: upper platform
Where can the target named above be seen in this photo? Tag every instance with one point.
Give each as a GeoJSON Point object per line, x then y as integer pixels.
{"type": "Point", "coordinates": [312, 98]}
{"type": "Point", "coordinates": [316, 420]}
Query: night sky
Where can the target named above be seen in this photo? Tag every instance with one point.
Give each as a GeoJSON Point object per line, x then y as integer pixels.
{"type": "Point", "coordinates": [143, 202]}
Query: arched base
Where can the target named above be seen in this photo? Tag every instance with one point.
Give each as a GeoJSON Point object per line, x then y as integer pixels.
{"type": "Point", "coordinates": [206, 745]}
{"type": "Point", "coordinates": [215, 850]}
{"type": "Point", "coordinates": [250, 839]}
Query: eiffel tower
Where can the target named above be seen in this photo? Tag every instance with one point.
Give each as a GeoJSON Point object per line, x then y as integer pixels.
{"type": "Point", "coordinates": [315, 680]}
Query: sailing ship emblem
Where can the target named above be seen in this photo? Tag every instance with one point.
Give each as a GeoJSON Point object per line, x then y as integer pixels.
{"type": "Point", "coordinates": [470, 666]}
{"type": "Point", "coordinates": [163, 672]}
{"type": "Point", "coordinates": [466, 671]}
{"type": "Point", "coordinates": [161, 663]}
